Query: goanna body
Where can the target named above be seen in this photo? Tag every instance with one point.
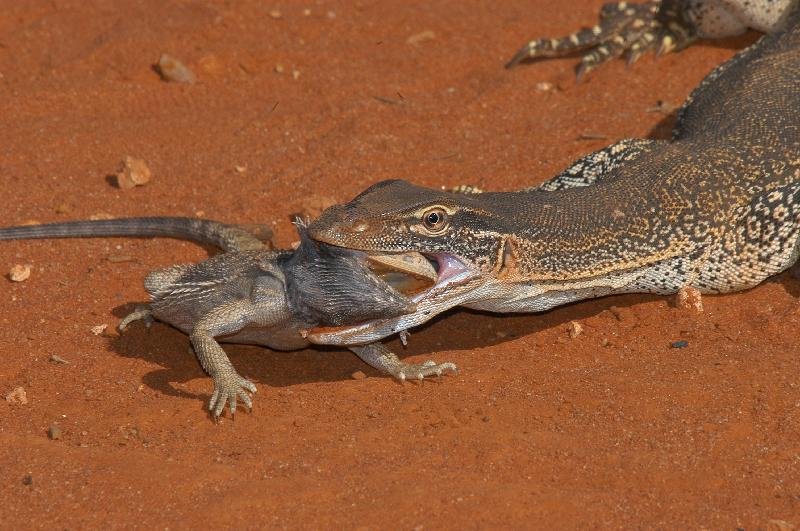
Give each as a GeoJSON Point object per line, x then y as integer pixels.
{"type": "Point", "coordinates": [716, 208]}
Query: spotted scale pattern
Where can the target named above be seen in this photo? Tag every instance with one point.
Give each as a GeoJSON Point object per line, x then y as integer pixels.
{"type": "Point", "coordinates": [587, 170]}
{"type": "Point", "coordinates": [631, 29]}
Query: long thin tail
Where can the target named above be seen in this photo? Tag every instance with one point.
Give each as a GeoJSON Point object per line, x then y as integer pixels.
{"type": "Point", "coordinates": [203, 231]}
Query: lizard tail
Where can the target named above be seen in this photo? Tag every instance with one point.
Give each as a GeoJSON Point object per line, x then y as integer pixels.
{"type": "Point", "coordinates": [203, 231]}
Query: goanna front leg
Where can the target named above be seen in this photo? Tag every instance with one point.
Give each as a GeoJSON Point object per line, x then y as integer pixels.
{"type": "Point", "coordinates": [379, 356]}
{"type": "Point", "coordinates": [624, 27]}
{"type": "Point", "coordinates": [598, 166]}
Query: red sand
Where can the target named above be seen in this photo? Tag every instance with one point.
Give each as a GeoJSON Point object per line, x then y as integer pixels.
{"type": "Point", "coordinates": [536, 430]}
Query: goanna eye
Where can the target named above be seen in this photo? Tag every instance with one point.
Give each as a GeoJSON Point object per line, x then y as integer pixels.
{"type": "Point", "coordinates": [435, 219]}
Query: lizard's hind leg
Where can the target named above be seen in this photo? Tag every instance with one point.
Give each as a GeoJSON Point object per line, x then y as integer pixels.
{"type": "Point", "coordinates": [141, 312]}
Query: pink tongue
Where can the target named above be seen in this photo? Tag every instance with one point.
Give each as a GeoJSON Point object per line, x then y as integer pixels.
{"type": "Point", "coordinates": [448, 266]}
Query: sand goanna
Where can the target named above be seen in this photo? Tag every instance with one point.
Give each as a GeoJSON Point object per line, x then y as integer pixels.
{"type": "Point", "coordinates": [250, 294]}
{"type": "Point", "coordinates": [716, 209]}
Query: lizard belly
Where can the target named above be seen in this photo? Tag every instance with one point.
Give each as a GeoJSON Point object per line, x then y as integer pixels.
{"type": "Point", "coordinates": [284, 337]}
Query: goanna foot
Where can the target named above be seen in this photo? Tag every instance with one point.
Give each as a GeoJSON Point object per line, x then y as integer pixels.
{"type": "Point", "coordinates": [623, 29]}
{"type": "Point", "coordinates": [139, 313]}
{"type": "Point", "coordinates": [228, 389]}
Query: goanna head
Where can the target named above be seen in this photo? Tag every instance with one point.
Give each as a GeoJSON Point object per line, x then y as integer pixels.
{"type": "Point", "coordinates": [396, 216]}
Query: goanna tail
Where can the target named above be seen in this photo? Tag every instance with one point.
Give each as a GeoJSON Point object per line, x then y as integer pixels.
{"type": "Point", "coordinates": [204, 231]}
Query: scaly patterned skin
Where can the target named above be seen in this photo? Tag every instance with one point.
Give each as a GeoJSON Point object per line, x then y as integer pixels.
{"type": "Point", "coordinates": [204, 231]}
{"type": "Point", "coordinates": [250, 294]}
{"type": "Point", "coordinates": [627, 28]}
{"type": "Point", "coordinates": [716, 209]}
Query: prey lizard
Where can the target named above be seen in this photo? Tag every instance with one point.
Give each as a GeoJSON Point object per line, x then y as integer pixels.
{"type": "Point", "coordinates": [717, 209]}
{"type": "Point", "coordinates": [632, 29]}
{"type": "Point", "coordinates": [250, 294]}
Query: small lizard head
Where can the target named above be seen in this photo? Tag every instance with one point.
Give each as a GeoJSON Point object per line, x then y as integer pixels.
{"type": "Point", "coordinates": [396, 216]}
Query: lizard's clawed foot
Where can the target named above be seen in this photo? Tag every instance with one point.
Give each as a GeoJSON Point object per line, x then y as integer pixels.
{"type": "Point", "coordinates": [623, 28]}
{"type": "Point", "coordinates": [379, 356]}
{"type": "Point", "coordinates": [413, 371]}
{"type": "Point", "coordinates": [139, 313]}
{"type": "Point", "coordinates": [228, 389]}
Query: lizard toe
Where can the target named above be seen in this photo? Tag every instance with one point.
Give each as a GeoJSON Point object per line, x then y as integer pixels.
{"type": "Point", "coordinates": [421, 371]}
{"type": "Point", "coordinates": [228, 390]}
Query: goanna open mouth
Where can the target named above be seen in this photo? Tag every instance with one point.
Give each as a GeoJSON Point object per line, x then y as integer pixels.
{"type": "Point", "coordinates": [415, 275]}
{"type": "Point", "coordinates": [408, 273]}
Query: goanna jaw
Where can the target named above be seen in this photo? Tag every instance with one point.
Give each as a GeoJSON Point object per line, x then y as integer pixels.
{"type": "Point", "coordinates": [457, 285]}
{"type": "Point", "coordinates": [465, 261]}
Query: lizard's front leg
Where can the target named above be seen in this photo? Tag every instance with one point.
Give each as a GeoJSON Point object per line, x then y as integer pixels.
{"type": "Point", "coordinates": [379, 356]}
{"type": "Point", "coordinates": [226, 319]}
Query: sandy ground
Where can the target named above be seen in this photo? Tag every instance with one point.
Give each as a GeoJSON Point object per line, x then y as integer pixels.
{"type": "Point", "coordinates": [301, 103]}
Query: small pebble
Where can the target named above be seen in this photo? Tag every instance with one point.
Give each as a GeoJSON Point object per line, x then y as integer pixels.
{"type": "Point", "coordinates": [679, 344]}
{"type": "Point", "coordinates": [544, 86]}
{"type": "Point", "coordinates": [690, 299]}
{"type": "Point", "coordinates": [420, 37]}
{"type": "Point", "coordinates": [575, 329]}
{"type": "Point", "coordinates": [617, 312]}
{"type": "Point", "coordinates": [27, 480]}
{"type": "Point", "coordinates": [275, 13]}
{"type": "Point", "coordinates": [20, 273]}
{"type": "Point", "coordinates": [358, 375]}
{"type": "Point", "coordinates": [171, 69]}
{"type": "Point", "coordinates": [134, 173]}
{"type": "Point", "coordinates": [101, 215]}
{"type": "Point", "coordinates": [99, 329]}
{"type": "Point", "coordinates": [279, 69]}
{"type": "Point", "coordinates": [55, 358]}
{"type": "Point", "coordinates": [54, 432]}
{"type": "Point", "coordinates": [17, 396]}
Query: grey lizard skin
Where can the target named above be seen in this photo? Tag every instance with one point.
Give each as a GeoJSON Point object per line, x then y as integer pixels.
{"type": "Point", "coordinates": [717, 209]}
{"type": "Point", "coordinates": [253, 295]}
